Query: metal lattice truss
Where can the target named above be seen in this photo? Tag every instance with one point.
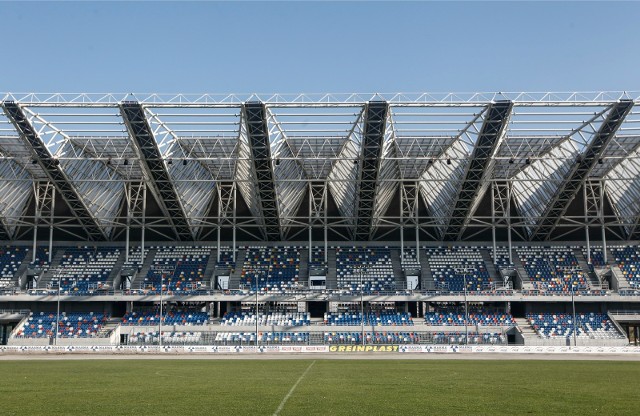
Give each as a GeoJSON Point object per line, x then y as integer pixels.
{"type": "Point", "coordinates": [458, 163]}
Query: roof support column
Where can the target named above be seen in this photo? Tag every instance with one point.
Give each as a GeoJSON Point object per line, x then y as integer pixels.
{"type": "Point", "coordinates": [480, 167]}
{"type": "Point", "coordinates": [581, 170]}
{"type": "Point", "coordinates": [258, 135]}
{"type": "Point", "coordinates": [154, 168]}
{"type": "Point", "coordinates": [51, 166]}
{"type": "Point", "coordinates": [372, 142]}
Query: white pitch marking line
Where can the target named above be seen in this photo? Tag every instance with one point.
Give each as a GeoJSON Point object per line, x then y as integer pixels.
{"type": "Point", "coordinates": [282, 403]}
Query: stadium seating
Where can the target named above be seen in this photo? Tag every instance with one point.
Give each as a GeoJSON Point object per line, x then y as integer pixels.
{"type": "Point", "coordinates": [374, 263]}
{"type": "Point", "coordinates": [225, 259]}
{"type": "Point", "coordinates": [452, 266]}
{"type": "Point", "coordinates": [172, 316]}
{"type": "Point", "coordinates": [271, 269]}
{"type": "Point", "coordinates": [235, 338]}
{"type": "Point", "coordinates": [597, 257]}
{"type": "Point", "coordinates": [178, 269]}
{"type": "Point", "coordinates": [284, 337]}
{"type": "Point", "coordinates": [85, 269]}
{"type": "Point", "coordinates": [370, 319]}
{"type": "Point", "coordinates": [588, 325]}
{"type": "Point", "coordinates": [271, 319]}
{"type": "Point", "coordinates": [628, 260]}
{"type": "Point", "coordinates": [553, 269]}
{"type": "Point", "coordinates": [458, 338]}
{"type": "Point", "coordinates": [42, 258]}
{"type": "Point", "coordinates": [501, 258]}
{"type": "Point", "coordinates": [71, 325]}
{"type": "Point", "coordinates": [409, 260]}
{"type": "Point", "coordinates": [317, 258]}
{"type": "Point", "coordinates": [136, 259]}
{"type": "Point", "coordinates": [371, 338]}
{"type": "Point", "coordinates": [11, 258]}
{"type": "Point", "coordinates": [475, 318]}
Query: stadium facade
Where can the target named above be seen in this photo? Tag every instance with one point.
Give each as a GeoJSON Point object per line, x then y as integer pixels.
{"type": "Point", "coordinates": [519, 212]}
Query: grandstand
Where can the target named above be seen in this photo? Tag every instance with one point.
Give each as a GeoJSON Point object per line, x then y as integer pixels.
{"type": "Point", "coordinates": [428, 218]}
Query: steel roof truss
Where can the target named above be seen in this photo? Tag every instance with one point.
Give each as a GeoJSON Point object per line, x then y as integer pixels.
{"type": "Point", "coordinates": [52, 168]}
{"type": "Point", "coordinates": [153, 165]}
{"type": "Point", "coordinates": [581, 170]}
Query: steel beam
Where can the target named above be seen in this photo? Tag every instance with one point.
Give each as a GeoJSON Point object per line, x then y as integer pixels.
{"type": "Point", "coordinates": [258, 135]}
{"type": "Point", "coordinates": [4, 234]}
{"type": "Point", "coordinates": [51, 167]}
{"type": "Point", "coordinates": [373, 137]}
{"type": "Point", "coordinates": [153, 165]}
{"type": "Point", "coordinates": [479, 168]}
{"type": "Point", "coordinates": [579, 173]}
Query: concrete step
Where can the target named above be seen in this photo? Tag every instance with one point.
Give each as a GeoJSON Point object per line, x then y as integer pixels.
{"type": "Point", "coordinates": [526, 283]}
{"type": "Point", "coordinates": [397, 268]}
{"type": "Point", "coordinates": [48, 277]}
{"type": "Point", "coordinates": [304, 265]}
{"type": "Point", "coordinates": [491, 267]}
{"type": "Point", "coordinates": [428, 283]}
{"type": "Point", "coordinates": [526, 328]}
{"type": "Point", "coordinates": [236, 273]}
{"type": "Point", "coordinates": [114, 276]}
{"type": "Point", "coordinates": [210, 268]}
{"type": "Point", "coordinates": [332, 276]}
{"type": "Point", "coordinates": [582, 262]}
{"type": "Point", "coordinates": [138, 281]}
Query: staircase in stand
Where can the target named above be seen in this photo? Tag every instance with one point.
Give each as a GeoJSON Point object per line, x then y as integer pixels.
{"type": "Point", "coordinates": [144, 270]}
{"type": "Point", "coordinates": [398, 273]}
{"type": "Point", "coordinates": [427, 276]}
{"type": "Point", "coordinates": [48, 277]}
{"type": "Point", "coordinates": [114, 276]}
{"type": "Point", "coordinates": [108, 327]}
{"type": "Point", "coordinates": [491, 267]}
{"type": "Point", "coordinates": [236, 273]}
{"type": "Point", "coordinates": [594, 283]}
{"type": "Point", "coordinates": [526, 329]}
{"type": "Point", "coordinates": [332, 274]}
{"type": "Point", "coordinates": [303, 272]}
{"type": "Point", "coordinates": [210, 268]}
{"type": "Point", "coordinates": [522, 273]}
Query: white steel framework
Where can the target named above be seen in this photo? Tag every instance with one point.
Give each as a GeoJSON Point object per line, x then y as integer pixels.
{"type": "Point", "coordinates": [269, 167]}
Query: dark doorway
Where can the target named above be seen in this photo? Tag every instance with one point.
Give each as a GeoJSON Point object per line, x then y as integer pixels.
{"type": "Point", "coordinates": [317, 309]}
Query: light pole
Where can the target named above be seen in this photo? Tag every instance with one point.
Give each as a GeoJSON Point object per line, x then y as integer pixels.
{"type": "Point", "coordinates": [466, 310]}
{"type": "Point", "coordinates": [257, 286]}
{"type": "Point", "coordinates": [464, 272]}
{"type": "Point", "coordinates": [362, 302]}
{"type": "Point", "coordinates": [160, 320]}
{"type": "Point", "coordinates": [573, 306]}
{"type": "Point", "coordinates": [58, 308]}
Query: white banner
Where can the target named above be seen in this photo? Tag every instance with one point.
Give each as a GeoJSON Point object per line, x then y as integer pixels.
{"type": "Point", "coordinates": [310, 349]}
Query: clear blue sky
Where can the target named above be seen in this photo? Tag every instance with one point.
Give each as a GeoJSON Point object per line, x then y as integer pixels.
{"type": "Point", "coordinates": [319, 47]}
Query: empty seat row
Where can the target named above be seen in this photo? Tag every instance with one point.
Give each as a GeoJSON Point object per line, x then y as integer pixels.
{"type": "Point", "coordinates": [70, 325]}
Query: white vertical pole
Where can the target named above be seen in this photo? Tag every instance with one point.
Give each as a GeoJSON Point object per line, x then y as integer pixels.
{"type": "Point", "coordinates": [326, 225]}
{"type": "Point", "coordinates": [233, 250]}
{"type": "Point", "coordinates": [417, 217]}
{"type": "Point", "coordinates": [604, 228]}
{"type": "Point", "coordinates": [36, 191]}
{"type": "Point", "coordinates": [493, 220]}
{"type": "Point", "coordinates": [53, 208]}
{"type": "Point", "coordinates": [402, 189]}
{"type": "Point", "coordinates": [160, 320]}
{"type": "Point", "coordinates": [144, 221]}
{"type": "Point", "coordinates": [126, 245]}
{"type": "Point", "coordinates": [586, 223]}
{"type": "Point", "coordinates": [509, 222]}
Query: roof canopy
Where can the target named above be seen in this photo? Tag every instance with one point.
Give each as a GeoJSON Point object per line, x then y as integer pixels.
{"type": "Point", "coordinates": [550, 151]}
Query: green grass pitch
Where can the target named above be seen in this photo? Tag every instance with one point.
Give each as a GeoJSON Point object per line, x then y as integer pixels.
{"type": "Point", "coordinates": [349, 387]}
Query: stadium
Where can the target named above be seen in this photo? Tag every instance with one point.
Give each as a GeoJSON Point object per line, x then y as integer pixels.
{"type": "Point", "coordinates": [340, 221]}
